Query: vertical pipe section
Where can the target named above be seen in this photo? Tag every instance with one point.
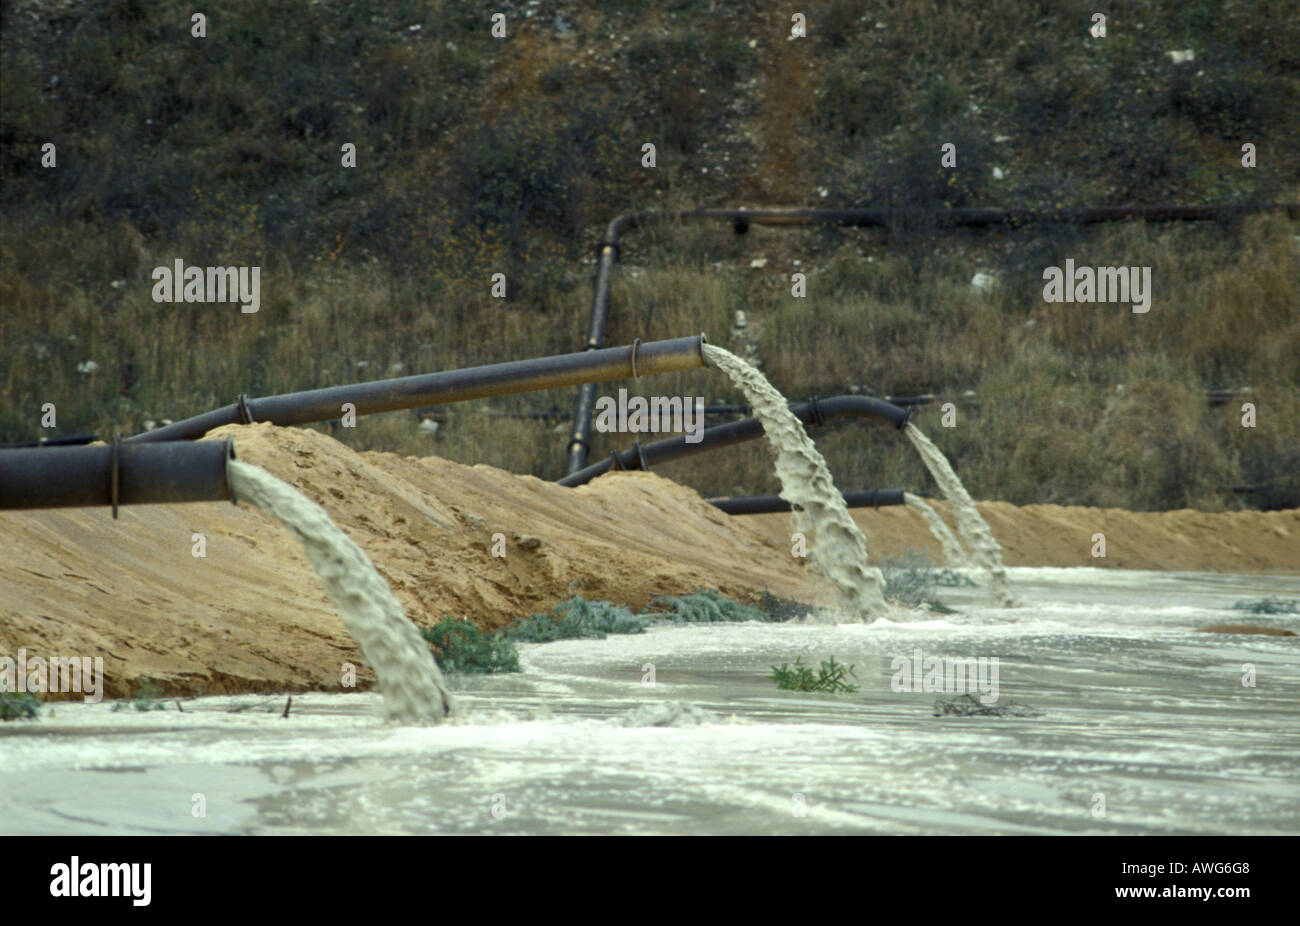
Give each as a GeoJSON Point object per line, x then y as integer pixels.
{"type": "Point", "coordinates": [580, 439]}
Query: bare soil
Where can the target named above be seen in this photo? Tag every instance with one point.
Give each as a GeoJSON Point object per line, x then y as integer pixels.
{"type": "Point", "coordinates": [250, 616]}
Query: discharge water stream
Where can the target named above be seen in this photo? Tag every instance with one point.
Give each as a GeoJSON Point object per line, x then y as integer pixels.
{"type": "Point", "coordinates": [974, 530]}
{"type": "Point", "coordinates": [412, 686]}
{"type": "Point", "coordinates": [953, 553]}
{"type": "Point", "coordinates": [840, 547]}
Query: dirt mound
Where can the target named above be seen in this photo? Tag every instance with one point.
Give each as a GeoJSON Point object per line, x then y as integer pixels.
{"type": "Point", "coordinates": [1055, 535]}
{"type": "Point", "coordinates": [251, 616]}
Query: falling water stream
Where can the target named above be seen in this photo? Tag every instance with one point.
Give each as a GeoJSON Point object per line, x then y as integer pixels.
{"type": "Point", "coordinates": [409, 679]}
{"type": "Point", "coordinates": [953, 553]}
{"type": "Point", "coordinates": [841, 549]}
{"type": "Point", "coordinates": [974, 530]}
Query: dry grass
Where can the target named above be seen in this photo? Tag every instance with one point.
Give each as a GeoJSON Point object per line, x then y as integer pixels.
{"type": "Point", "coordinates": [479, 157]}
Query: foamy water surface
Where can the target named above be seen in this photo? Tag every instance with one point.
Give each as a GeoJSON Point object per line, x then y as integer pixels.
{"type": "Point", "coordinates": [1137, 708]}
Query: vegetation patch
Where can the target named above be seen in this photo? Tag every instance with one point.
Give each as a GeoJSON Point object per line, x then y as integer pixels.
{"type": "Point", "coordinates": [703, 606]}
{"type": "Point", "coordinates": [911, 579]}
{"type": "Point", "coordinates": [460, 646]}
{"type": "Point", "coordinates": [947, 578]}
{"type": "Point", "coordinates": [799, 677]}
{"type": "Point", "coordinates": [14, 706]}
{"type": "Point", "coordinates": [783, 609]}
{"type": "Point", "coordinates": [575, 619]}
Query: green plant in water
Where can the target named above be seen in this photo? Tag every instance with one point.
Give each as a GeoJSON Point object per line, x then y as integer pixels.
{"type": "Point", "coordinates": [799, 677]}
{"type": "Point", "coordinates": [460, 646]}
{"type": "Point", "coordinates": [575, 619]}
{"type": "Point", "coordinates": [15, 706]}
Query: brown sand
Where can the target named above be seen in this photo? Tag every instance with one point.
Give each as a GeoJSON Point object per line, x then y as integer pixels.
{"type": "Point", "coordinates": [1056, 535]}
{"type": "Point", "coordinates": [251, 615]}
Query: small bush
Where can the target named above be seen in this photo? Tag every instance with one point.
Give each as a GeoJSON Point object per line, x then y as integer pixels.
{"type": "Point", "coordinates": [575, 619]}
{"type": "Point", "coordinates": [782, 609]}
{"type": "Point", "coordinates": [704, 605]}
{"type": "Point", "coordinates": [910, 579]}
{"type": "Point", "coordinates": [799, 677]}
{"type": "Point", "coordinates": [18, 706]}
{"type": "Point", "coordinates": [460, 646]}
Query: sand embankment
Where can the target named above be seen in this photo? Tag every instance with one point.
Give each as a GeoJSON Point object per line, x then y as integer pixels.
{"type": "Point", "coordinates": [1060, 535]}
{"type": "Point", "coordinates": [251, 616]}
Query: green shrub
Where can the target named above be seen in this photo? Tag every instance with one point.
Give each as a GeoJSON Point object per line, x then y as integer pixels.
{"type": "Point", "coordinates": [704, 605]}
{"type": "Point", "coordinates": [782, 609]}
{"type": "Point", "coordinates": [15, 706]}
{"type": "Point", "coordinates": [799, 677]}
{"type": "Point", "coordinates": [460, 646]}
{"type": "Point", "coordinates": [911, 579]}
{"type": "Point", "coordinates": [575, 619]}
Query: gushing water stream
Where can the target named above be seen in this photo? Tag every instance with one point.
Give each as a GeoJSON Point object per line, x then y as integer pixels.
{"type": "Point", "coordinates": [805, 481]}
{"type": "Point", "coordinates": [974, 530]}
{"type": "Point", "coordinates": [409, 678]}
{"type": "Point", "coordinates": [953, 553]}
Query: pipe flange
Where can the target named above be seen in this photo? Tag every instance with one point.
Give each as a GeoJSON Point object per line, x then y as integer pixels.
{"type": "Point", "coordinates": [640, 457]}
{"type": "Point", "coordinates": [818, 419]}
{"type": "Point", "coordinates": [635, 344]}
{"type": "Point", "coordinates": [245, 413]}
{"type": "Point", "coordinates": [615, 462]}
{"type": "Point", "coordinates": [115, 470]}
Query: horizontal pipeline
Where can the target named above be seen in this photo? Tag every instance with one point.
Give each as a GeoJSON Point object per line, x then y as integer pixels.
{"type": "Point", "coordinates": [386, 395]}
{"type": "Point", "coordinates": [741, 219]}
{"type": "Point", "coordinates": [813, 412]}
{"type": "Point", "coordinates": [768, 504]}
{"type": "Point", "coordinates": [115, 474]}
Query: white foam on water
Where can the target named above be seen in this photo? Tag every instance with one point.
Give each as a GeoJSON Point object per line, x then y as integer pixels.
{"type": "Point", "coordinates": [409, 679]}
{"type": "Point", "coordinates": [953, 553]}
{"type": "Point", "coordinates": [974, 530]}
{"type": "Point", "coordinates": [841, 548]}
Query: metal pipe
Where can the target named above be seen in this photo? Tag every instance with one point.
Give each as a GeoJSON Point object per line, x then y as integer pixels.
{"type": "Point", "coordinates": [741, 219]}
{"type": "Point", "coordinates": [115, 474]}
{"type": "Point", "coordinates": [768, 504]}
{"type": "Point", "coordinates": [813, 412]}
{"type": "Point", "coordinates": [65, 441]}
{"type": "Point", "coordinates": [636, 360]}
